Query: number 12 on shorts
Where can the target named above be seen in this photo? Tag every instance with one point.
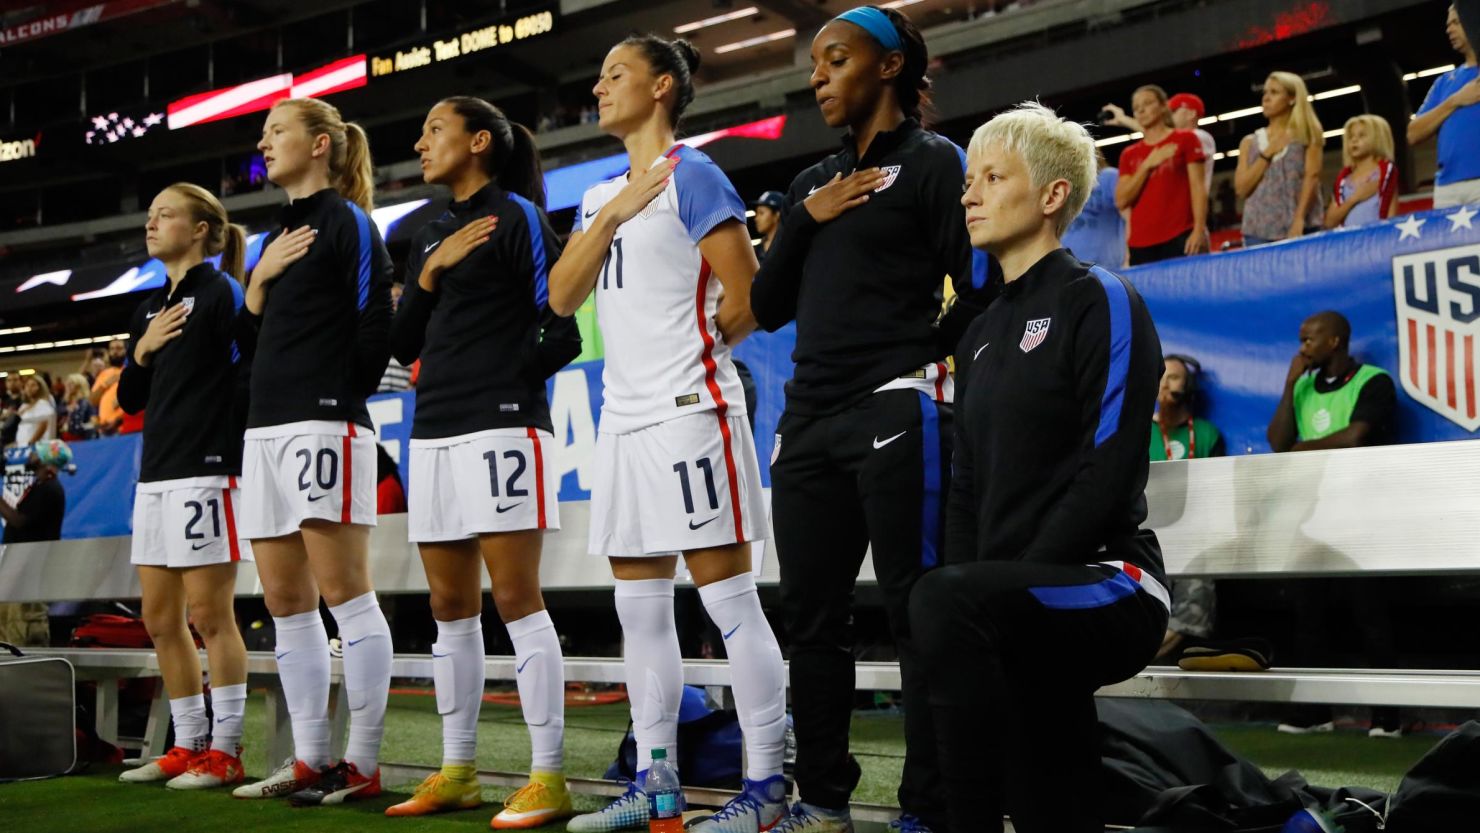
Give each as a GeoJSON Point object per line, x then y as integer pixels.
{"type": "Point", "coordinates": [682, 468]}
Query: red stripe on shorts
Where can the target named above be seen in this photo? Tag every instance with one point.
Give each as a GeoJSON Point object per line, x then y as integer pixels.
{"type": "Point", "coordinates": [720, 405]}
{"type": "Point", "coordinates": [236, 552]}
{"type": "Point", "coordinates": [345, 514]}
{"type": "Point", "coordinates": [539, 475]}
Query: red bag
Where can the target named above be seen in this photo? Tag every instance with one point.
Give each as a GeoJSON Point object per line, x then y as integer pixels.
{"type": "Point", "coordinates": [107, 630]}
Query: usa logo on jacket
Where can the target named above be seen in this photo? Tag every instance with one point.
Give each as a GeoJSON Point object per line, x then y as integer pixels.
{"type": "Point", "coordinates": [1034, 334]}
{"type": "Point", "coordinates": [891, 173]}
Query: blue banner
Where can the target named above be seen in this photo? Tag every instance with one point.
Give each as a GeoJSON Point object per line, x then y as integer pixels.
{"type": "Point", "coordinates": [1410, 287]}
{"type": "Point", "coordinates": [1405, 284]}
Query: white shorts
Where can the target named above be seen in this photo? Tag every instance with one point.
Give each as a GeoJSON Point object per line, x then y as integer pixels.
{"type": "Point", "coordinates": [499, 480]}
{"type": "Point", "coordinates": [687, 483]}
{"type": "Point", "coordinates": [302, 471]}
{"type": "Point", "coordinates": [188, 522]}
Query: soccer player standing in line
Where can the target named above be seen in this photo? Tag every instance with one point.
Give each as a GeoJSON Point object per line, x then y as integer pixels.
{"type": "Point", "coordinates": [1055, 384]}
{"type": "Point", "coordinates": [318, 306]}
{"type": "Point", "coordinates": [666, 249]}
{"type": "Point", "coordinates": [187, 371]}
{"type": "Point", "coordinates": [863, 448]}
{"type": "Point", "coordinates": [475, 313]}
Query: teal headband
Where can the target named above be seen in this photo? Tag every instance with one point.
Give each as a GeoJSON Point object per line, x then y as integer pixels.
{"type": "Point", "coordinates": [877, 24]}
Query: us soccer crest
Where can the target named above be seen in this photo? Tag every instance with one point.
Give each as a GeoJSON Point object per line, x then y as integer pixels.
{"type": "Point", "coordinates": [188, 303]}
{"type": "Point", "coordinates": [891, 173]}
{"type": "Point", "coordinates": [1437, 294]}
{"type": "Point", "coordinates": [1034, 334]}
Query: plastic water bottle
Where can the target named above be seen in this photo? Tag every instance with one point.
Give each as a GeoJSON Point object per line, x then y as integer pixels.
{"type": "Point", "coordinates": [665, 795]}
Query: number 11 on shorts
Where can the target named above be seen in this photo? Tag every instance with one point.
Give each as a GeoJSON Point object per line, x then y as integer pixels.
{"type": "Point", "coordinates": [682, 468]}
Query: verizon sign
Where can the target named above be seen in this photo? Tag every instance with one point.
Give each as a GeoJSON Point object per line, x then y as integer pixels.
{"type": "Point", "coordinates": [55, 23]}
{"type": "Point", "coordinates": [19, 149]}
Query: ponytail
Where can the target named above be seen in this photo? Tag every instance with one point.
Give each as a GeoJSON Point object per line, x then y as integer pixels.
{"type": "Point", "coordinates": [521, 171]}
{"type": "Point", "coordinates": [234, 253]}
{"type": "Point", "coordinates": [351, 171]}
{"type": "Point", "coordinates": [355, 179]}
{"type": "Point", "coordinates": [513, 159]}
{"type": "Point", "coordinates": [223, 237]}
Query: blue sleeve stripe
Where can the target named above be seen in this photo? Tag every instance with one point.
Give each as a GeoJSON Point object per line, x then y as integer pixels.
{"type": "Point", "coordinates": [537, 250]}
{"type": "Point", "coordinates": [1120, 354]}
{"type": "Point", "coordinates": [238, 300]}
{"type": "Point", "coordinates": [1086, 596]}
{"type": "Point", "coordinates": [362, 223]}
{"type": "Point", "coordinates": [934, 485]}
{"type": "Point", "coordinates": [979, 263]}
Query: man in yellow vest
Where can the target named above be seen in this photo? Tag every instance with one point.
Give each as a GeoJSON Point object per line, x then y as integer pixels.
{"type": "Point", "coordinates": [1331, 400]}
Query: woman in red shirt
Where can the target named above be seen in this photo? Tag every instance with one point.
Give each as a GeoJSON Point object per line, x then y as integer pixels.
{"type": "Point", "coordinates": [1161, 182]}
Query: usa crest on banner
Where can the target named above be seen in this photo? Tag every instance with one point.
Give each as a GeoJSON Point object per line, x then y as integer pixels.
{"type": "Point", "coordinates": [1034, 333]}
{"type": "Point", "coordinates": [1437, 294]}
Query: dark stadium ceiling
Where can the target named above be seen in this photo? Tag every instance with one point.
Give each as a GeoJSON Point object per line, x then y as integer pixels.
{"type": "Point", "coordinates": [253, 27]}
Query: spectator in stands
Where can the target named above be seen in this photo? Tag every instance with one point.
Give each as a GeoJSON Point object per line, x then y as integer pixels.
{"type": "Point", "coordinates": [1279, 165]}
{"type": "Point", "coordinates": [1331, 400]}
{"type": "Point", "coordinates": [38, 413]}
{"type": "Point", "coordinates": [397, 376]}
{"type": "Point", "coordinates": [1450, 110]}
{"type": "Point", "coordinates": [1097, 235]}
{"type": "Point", "coordinates": [1177, 434]}
{"type": "Point", "coordinates": [81, 422]}
{"type": "Point", "coordinates": [1162, 183]}
{"type": "Point", "coordinates": [105, 389]}
{"type": "Point", "coordinates": [37, 516]}
{"type": "Point", "coordinates": [1367, 187]}
{"type": "Point", "coordinates": [1187, 109]}
{"type": "Point", "coordinates": [87, 367]}
{"type": "Point", "coordinates": [767, 220]}
{"type": "Point", "coordinates": [10, 404]}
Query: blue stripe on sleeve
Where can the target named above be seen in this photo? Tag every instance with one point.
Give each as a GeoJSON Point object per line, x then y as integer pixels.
{"type": "Point", "coordinates": [930, 526]}
{"type": "Point", "coordinates": [979, 267]}
{"type": "Point", "coordinates": [1120, 354]}
{"type": "Point", "coordinates": [537, 250]}
{"type": "Point", "coordinates": [238, 300]}
{"type": "Point", "coordinates": [1086, 596]}
{"type": "Point", "coordinates": [362, 223]}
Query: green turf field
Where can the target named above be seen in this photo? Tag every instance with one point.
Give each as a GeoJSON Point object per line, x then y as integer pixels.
{"type": "Point", "coordinates": [97, 803]}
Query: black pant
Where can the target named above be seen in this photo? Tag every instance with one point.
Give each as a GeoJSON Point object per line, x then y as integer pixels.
{"type": "Point", "coordinates": [1012, 680]}
{"type": "Point", "coordinates": [874, 474]}
{"type": "Point", "coordinates": [1176, 247]}
{"type": "Point", "coordinates": [1317, 600]}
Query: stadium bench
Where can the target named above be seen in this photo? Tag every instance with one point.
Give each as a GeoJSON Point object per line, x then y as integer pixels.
{"type": "Point", "coordinates": [1397, 510]}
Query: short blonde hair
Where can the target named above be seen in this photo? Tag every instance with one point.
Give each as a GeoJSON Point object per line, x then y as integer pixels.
{"type": "Point", "coordinates": [1379, 133]}
{"type": "Point", "coordinates": [1052, 149]}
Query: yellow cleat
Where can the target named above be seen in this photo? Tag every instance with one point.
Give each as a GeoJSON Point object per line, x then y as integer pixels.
{"type": "Point", "coordinates": [543, 800]}
{"type": "Point", "coordinates": [439, 794]}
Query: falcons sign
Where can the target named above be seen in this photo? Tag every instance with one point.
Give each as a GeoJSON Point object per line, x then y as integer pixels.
{"type": "Point", "coordinates": [1034, 333]}
{"type": "Point", "coordinates": [1437, 294]}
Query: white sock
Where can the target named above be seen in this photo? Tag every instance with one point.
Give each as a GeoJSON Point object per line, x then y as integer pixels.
{"type": "Point", "coordinates": [366, 637]}
{"type": "Point", "coordinates": [457, 667]}
{"type": "Point", "coordinates": [192, 727]}
{"type": "Point", "coordinates": [229, 703]}
{"type": "Point", "coordinates": [653, 664]}
{"type": "Point", "coordinates": [303, 667]}
{"type": "Point", "coordinates": [757, 675]}
{"type": "Point", "coordinates": [540, 671]}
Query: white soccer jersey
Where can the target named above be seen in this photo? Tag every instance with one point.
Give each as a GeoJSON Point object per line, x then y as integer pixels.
{"type": "Point", "coordinates": [656, 298]}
